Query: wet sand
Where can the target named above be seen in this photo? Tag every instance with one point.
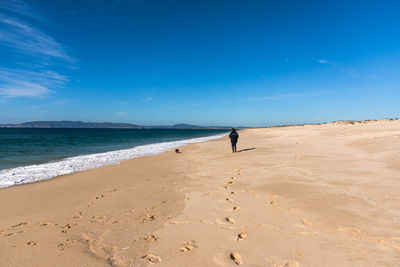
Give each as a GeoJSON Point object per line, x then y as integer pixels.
{"type": "Point", "coordinates": [312, 195]}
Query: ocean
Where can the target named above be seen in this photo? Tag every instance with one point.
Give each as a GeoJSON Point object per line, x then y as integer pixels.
{"type": "Point", "coordinates": [31, 155]}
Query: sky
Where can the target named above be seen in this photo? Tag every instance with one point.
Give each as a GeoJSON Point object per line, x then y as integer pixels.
{"type": "Point", "coordinates": [233, 62]}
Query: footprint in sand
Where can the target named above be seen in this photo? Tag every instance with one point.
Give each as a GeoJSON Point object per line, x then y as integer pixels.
{"type": "Point", "coordinates": [32, 243]}
{"type": "Point", "coordinates": [229, 199]}
{"type": "Point", "coordinates": [62, 246]}
{"type": "Point", "coordinates": [227, 187]}
{"type": "Point", "coordinates": [150, 238]}
{"type": "Point", "coordinates": [20, 224]}
{"type": "Point", "coordinates": [45, 224]}
{"type": "Point", "coordinates": [233, 193]}
{"type": "Point", "coordinates": [306, 222]}
{"type": "Point", "coordinates": [242, 236]}
{"type": "Point", "coordinates": [152, 258]}
{"type": "Point", "coordinates": [80, 214]}
{"type": "Point", "coordinates": [101, 196]}
{"type": "Point", "coordinates": [65, 227]}
{"type": "Point", "coordinates": [149, 218]}
{"type": "Point", "coordinates": [236, 208]}
{"type": "Point", "coordinates": [188, 246]}
{"type": "Point", "coordinates": [236, 258]}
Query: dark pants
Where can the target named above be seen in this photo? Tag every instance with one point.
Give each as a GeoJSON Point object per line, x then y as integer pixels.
{"type": "Point", "coordinates": [233, 147]}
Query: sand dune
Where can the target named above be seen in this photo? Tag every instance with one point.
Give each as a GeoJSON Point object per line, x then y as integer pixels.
{"type": "Point", "coordinates": [311, 195]}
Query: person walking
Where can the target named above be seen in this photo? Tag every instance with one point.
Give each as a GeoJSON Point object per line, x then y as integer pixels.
{"type": "Point", "coordinates": [234, 136]}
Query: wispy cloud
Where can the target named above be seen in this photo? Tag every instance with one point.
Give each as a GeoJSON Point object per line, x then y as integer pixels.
{"type": "Point", "coordinates": [26, 39]}
{"type": "Point", "coordinates": [327, 62]}
{"type": "Point", "coordinates": [121, 113]}
{"type": "Point", "coordinates": [23, 83]}
{"type": "Point", "coordinates": [31, 53]}
{"type": "Point", "coordinates": [20, 8]}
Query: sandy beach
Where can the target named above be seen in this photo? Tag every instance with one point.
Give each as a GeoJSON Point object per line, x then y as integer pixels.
{"type": "Point", "coordinates": [311, 195]}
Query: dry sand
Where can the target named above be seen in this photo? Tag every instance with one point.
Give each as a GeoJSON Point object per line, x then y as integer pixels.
{"type": "Point", "coordinates": [312, 195]}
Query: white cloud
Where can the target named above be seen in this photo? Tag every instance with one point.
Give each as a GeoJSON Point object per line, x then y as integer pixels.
{"type": "Point", "coordinates": [121, 113]}
{"type": "Point", "coordinates": [21, 37]}
{"type": "Point", "coordinates": [20, 8]}
{"type": "Point", "coordinates": [327, 62]}
{"type": "Point", "coordinates": [23, 83]}
{"type": "Point", "coordinates": [31, 54]}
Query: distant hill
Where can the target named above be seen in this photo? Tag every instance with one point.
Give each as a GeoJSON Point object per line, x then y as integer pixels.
{"type": "Point", "coordinates": [107, 125]}
{"type": "Point", "coordinates": [71, 124]}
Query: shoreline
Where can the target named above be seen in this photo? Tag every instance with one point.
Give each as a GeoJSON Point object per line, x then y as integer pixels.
{"type": "Point", "coordinates": [7, 173]}
{"type": "Point", "coordinates": [50, 170]}
{"type": "Point", "coordinates": [324, 195]}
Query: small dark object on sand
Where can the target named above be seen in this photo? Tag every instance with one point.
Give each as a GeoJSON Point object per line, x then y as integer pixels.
{"type": "Point", "coordinates": [177, 151]}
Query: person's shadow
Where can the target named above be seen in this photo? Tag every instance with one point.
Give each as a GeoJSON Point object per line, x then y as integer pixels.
{"type": "Point", "coordinates": [246, 149]}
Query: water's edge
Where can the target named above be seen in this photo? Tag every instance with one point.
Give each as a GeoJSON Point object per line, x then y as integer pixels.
{"type": "Point", "coordinates": [40, 172]}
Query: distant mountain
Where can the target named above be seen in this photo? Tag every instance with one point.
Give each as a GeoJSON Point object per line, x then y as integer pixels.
{"type": "Point", "coordinates": [109, 125]}
{"type": "Point", "coordinates": [71, 124]}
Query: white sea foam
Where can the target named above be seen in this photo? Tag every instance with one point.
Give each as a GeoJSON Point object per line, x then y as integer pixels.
{"type": "Point", "coordinates": [35, 173]}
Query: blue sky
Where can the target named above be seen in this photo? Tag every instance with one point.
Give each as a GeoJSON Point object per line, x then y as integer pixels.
{"type": "Point", "coordinates": [231, 62]}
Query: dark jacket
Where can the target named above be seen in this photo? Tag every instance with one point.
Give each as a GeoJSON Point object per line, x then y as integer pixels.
{"type": "Point", "coordinates": [234, 136]}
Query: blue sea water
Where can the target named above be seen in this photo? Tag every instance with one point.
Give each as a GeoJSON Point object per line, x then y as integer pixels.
{"type": "Point", "coordinates": [28, 155]}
